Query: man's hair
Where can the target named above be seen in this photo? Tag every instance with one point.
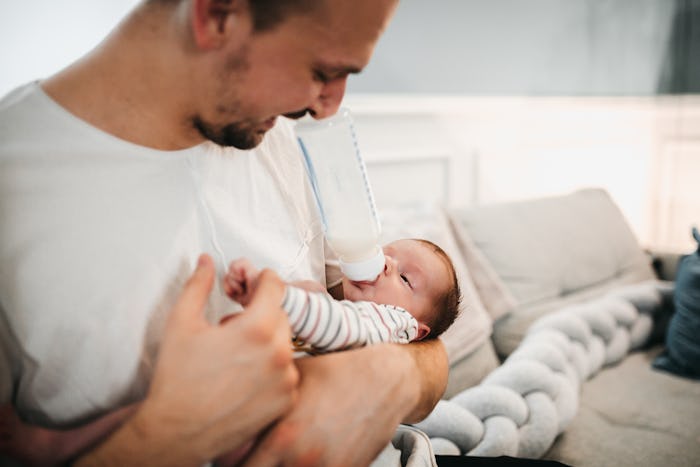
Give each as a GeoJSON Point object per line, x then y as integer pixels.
{"type": "Point", "coordinates": [269, 13]}
{"type": "Point", "coordinates": [448, 301]}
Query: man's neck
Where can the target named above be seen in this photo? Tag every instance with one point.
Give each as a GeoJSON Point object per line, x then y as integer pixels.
{"type": "Point", "coordinates": [131, 85]}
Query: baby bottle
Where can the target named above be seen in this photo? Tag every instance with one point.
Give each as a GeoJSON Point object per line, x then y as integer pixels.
{"type": "Point", "coordinates": [339, 180]}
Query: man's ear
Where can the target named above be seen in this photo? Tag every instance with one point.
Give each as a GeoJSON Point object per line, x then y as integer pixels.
{"type": "Point", "coordinates": [423, 331]}
{"type": "Point", "coordinates": [214, 20]}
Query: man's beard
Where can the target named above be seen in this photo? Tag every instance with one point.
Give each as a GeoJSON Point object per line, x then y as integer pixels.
{"type": "Point", "coordinates": [241, 134]}
{"type": "Point", "coordinates": [234, 134]}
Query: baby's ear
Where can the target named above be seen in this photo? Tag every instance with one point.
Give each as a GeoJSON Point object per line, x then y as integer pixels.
{"type": "Point", "coordinates": [423, 331]}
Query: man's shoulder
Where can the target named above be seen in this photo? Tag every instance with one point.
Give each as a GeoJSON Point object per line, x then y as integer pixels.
{"type": "Point", "coordinates": [34, 126]}
{"type": "Point", "coordinates": [16, 121]}
{"type": "Point", "coordinates": [15, 97]}
{"type": "Point", "coordinates": [21, 102]}
{"type": "Point", "coordinates": [26, 114]}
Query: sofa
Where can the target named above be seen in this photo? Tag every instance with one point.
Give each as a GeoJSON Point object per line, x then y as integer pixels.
{"type": "Point", "coordinates": [563, 309]}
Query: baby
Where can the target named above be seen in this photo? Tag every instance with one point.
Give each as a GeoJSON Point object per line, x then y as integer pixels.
{"type": "Point", "coordinates": [415, 297]}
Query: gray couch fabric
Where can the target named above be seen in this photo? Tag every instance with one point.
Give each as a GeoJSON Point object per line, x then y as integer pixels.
{"type": "Point", "coordinates": [549, 253]}
{"type": "Point", "coordinates": [554, 263]}
{"type": "Point", "coordinates": [631, 415]}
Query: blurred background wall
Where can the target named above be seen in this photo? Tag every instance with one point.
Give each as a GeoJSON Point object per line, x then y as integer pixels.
{"type": "Point", "coordinates": [496, 47]}
{"type": "Point", "coordinates": [480, 101]}
{"type": "Point", "coordinates": [531, 47]}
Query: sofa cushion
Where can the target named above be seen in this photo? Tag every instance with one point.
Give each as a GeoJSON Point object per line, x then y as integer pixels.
{"type": "Point", "coordinates": [493, 293]}
{"type": "Point", "coordinates": [631, 415]}
{"type": "Point", "coordinates": [548, 253]}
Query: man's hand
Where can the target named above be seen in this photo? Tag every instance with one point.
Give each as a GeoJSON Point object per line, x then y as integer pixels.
{"type": "Point", "coordinates": [351, 402]}
{"type": "Point", "coordinates": [214, 386]}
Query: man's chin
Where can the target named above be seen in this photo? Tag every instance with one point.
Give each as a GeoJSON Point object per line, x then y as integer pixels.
{"type": "Point", "coordinates": [232, 135]}
{"type": "Point", "coordinates": [248, 139]}
{"type": "Point", "coordinates": [249, 142]}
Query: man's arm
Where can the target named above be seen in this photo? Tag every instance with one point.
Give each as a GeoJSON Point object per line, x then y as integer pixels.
{"type": "Point", "coordinates": [432, 367]}
{"type": "Point", "coordinates": [214, 386]}
{"type": "Point", "coordinates": [34, 445]}
{"type": "Point", "coordinates": [351, 402]}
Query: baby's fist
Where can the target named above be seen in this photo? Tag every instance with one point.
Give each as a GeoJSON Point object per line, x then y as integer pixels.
{"type": "Point", "coordinates": [241, 280]}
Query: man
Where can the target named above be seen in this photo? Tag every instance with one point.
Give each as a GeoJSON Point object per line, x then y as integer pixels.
{"type": "Point", "coordinates": [109, 191]}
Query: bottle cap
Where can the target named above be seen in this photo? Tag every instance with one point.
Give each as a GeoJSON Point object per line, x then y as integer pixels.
{"type": "Point", "coordinates": [309, 123]}
{"type": "Point", "coordinates": [364, 270]}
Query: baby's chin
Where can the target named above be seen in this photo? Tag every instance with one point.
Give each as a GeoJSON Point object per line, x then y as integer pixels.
{"type": "Point", "coordinates": [354, 292]}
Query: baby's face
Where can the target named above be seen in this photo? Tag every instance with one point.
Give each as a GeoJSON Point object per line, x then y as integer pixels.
{"type": "Point", "coordinates": [413, 277]}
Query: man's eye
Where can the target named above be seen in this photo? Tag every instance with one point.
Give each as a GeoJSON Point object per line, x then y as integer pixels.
{"type": "Point", "coordinates": [321, 76]}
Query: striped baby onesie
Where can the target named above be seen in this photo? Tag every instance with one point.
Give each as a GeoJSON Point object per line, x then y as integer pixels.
{"type": "Point", "coordinates": [327, 324]}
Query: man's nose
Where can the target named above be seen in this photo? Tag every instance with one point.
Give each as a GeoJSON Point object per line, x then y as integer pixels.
{"type": "Point", "coordinates": [329, 98]}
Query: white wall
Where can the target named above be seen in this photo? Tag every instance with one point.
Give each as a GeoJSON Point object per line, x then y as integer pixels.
{"type": "Point", "coordinates": [462, 151]}
{"type": "Point", "coordinates": [40, 37]}
{"type": "Point", "coordinates": [522, 47]}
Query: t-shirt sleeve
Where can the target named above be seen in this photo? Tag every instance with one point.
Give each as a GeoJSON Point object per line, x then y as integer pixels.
{"type": "Point", "coordinates": [327, 324]}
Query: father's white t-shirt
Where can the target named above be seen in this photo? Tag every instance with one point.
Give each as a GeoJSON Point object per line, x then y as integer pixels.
{"type": "Point", "coordinates": [98, 235]}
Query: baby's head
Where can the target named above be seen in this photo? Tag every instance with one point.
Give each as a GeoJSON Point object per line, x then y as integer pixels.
{"type": "Point", "coordinates": [419, 277]}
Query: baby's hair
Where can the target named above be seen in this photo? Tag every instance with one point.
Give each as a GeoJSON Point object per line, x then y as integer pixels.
{"type": "Point", "coordinates": [447, 302]}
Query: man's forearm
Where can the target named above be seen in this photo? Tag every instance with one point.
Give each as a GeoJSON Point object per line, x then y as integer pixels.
{"type": "Point", "coordinates": [432, 367]}
{"type": "Point", "coordinates": [78, 440]}
{"type": "Point", "coordinates": [371, 389]}
{"type": "Point", "coordinates": [140, 443]}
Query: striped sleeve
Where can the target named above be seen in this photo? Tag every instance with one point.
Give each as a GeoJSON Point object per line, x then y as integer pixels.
{"type": "Point", "coordinates": [327, 324]}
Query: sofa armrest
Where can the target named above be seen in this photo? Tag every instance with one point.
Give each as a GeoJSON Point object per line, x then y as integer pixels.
{"type": "Point", "coordinates": [665, 263]}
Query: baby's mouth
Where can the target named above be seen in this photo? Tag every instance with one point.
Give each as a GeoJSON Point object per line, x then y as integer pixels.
{"type": "Point", "coordinates": [362, 284]}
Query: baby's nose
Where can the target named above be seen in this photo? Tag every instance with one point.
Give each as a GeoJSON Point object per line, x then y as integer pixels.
{"type": "Point", "coordinates": [389, 264]}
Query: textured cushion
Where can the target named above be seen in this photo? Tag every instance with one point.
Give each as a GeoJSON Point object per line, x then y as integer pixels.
{"type": "Point", "coordinates": [547, 253]}
{"type": "Point", "coordinates": [682, 355]}
{"type": "Point", "coordinates": [471, 369]}
{"type": "Point", "coordinates": [534, 393]}
{"type": "Point", "coordinates": [472, 328]}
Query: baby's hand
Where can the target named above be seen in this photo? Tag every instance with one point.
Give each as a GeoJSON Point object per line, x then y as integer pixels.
{"type": "Point", "coordinates": [241, 280]}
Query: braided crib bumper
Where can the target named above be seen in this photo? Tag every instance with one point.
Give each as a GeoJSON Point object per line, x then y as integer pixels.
{"type": "Point", "coordinates": [521, 406]}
